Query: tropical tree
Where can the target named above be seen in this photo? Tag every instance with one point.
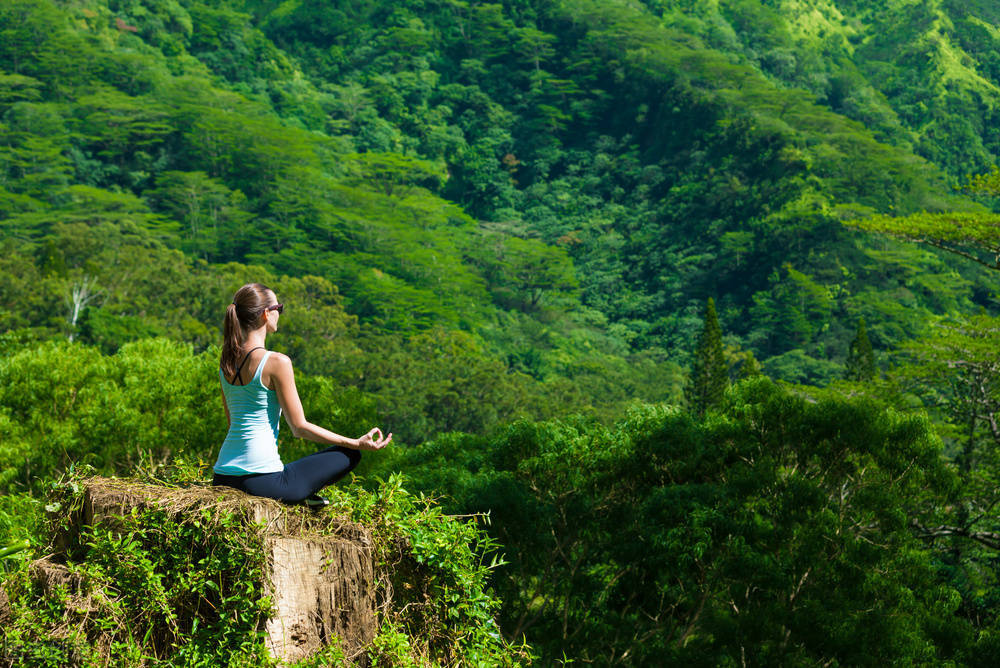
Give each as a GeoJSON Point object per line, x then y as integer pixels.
{"type": "Point", "coordinates": [709, 371]}
{"type": "Point", "coordinates": [860, 364]}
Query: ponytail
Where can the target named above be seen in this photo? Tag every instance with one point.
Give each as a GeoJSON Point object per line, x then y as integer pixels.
{"type": "Point", "coordinates": [232, 341]}
{"type": "Point", "coordinates": [242, 315]}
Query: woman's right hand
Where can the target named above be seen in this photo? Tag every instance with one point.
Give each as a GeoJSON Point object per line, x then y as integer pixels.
{"type": "Point", "coordinates": [374, 440]}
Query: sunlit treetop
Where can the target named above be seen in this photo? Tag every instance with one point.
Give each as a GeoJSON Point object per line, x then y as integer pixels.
{"type": "Point", "coordinates": [974, 235]}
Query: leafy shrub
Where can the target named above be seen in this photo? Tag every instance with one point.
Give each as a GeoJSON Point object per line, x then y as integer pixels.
{"type": "Point", "coordinates": [432, 573]}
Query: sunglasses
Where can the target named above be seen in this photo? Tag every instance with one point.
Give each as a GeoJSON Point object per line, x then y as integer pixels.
{"type": "Point", "coordinates": [275, 307]}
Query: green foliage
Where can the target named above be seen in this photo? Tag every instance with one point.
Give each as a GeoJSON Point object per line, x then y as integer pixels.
{"type": "Point", "coordinates": [13, 548]}
{"type": "Point", "coordinates": [777, 522]}
{"type": "Point", "coordinates": [441, 381]}
{"type": "Point", "coordinates": [209, 211]}
{"type": "Point", "coordinates": [432, 570]}
{"type": "Point", "coordinates": [65, 403]}
{"type": "Point", "coordinates": [710, 373]}
{"type": "Point", "coordinates": [622, 159]}
{"type": "Point", "coordinates": [972, 235]}
{"type": "Point", "coordinates": [860, 365]}
{"type": "Point", "coordinates": [795, 309]}
{"type": "Point", "coordinates": [526, 272]}
{"type": "Point", "coordinates": [158, 585]}
{"type": "Point", "coordinates": [20, 516]}
{"type": "Point", "coordinates": [953, 374]}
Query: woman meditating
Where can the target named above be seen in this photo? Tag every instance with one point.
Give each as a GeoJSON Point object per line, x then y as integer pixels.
{"type": "Point", "coordinates": [257, 387]}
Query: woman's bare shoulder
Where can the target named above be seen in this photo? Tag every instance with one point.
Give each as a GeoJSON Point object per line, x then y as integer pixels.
{"type": "Point", "coordinates": [277, 371]}
{"type": "Point", "coordinates": [279, 362]}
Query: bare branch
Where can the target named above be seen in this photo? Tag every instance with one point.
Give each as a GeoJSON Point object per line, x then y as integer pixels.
{"type": "Point", "coordinates": [990, 539]}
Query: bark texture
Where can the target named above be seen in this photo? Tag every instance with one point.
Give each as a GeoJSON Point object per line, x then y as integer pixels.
{"type": "Point", "coordinates": [321, 588]}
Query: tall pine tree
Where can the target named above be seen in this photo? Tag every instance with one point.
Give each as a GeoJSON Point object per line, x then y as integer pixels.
{"type": "Point", "coordinates": [709, 373]}
{"type": "Point", "coordinates": [860, 365]}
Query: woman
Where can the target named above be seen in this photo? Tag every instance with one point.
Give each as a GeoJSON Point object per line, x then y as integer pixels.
{"type": "Point", "coordinates": [257, 387]}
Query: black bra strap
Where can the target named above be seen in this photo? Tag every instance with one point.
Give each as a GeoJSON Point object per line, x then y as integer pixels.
{"type": "Point", "coordinates": [236, 376]}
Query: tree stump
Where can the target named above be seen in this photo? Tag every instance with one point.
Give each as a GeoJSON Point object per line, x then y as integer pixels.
{"type": "Point", "coordinates": [320, 567]}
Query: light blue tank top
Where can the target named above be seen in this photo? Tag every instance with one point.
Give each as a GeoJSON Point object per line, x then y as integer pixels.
{"type": "Point", "coordinates": [251, 446]}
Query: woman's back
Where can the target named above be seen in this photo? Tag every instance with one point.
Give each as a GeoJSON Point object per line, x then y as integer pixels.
{"type": "Point", "coordinates": [251, 445]}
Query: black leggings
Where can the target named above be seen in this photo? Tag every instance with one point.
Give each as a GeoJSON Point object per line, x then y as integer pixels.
{"type": "Point", "coordinates": [300, 479]}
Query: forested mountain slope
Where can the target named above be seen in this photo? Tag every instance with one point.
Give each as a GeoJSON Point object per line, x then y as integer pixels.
{"type": "Point", "coordinates": [709, 139]}
{"type": "Point", "coordinates": [921, 75]}
{"type": "Point", "coordinates": [565, 181]}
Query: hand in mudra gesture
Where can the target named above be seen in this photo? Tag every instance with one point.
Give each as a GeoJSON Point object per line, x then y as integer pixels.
{"type": "Point", "coordinates": [374, 440]}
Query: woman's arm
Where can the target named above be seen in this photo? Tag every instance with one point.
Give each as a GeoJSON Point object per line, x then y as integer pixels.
{"type": "Point", "coordinates": [283, 379]}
